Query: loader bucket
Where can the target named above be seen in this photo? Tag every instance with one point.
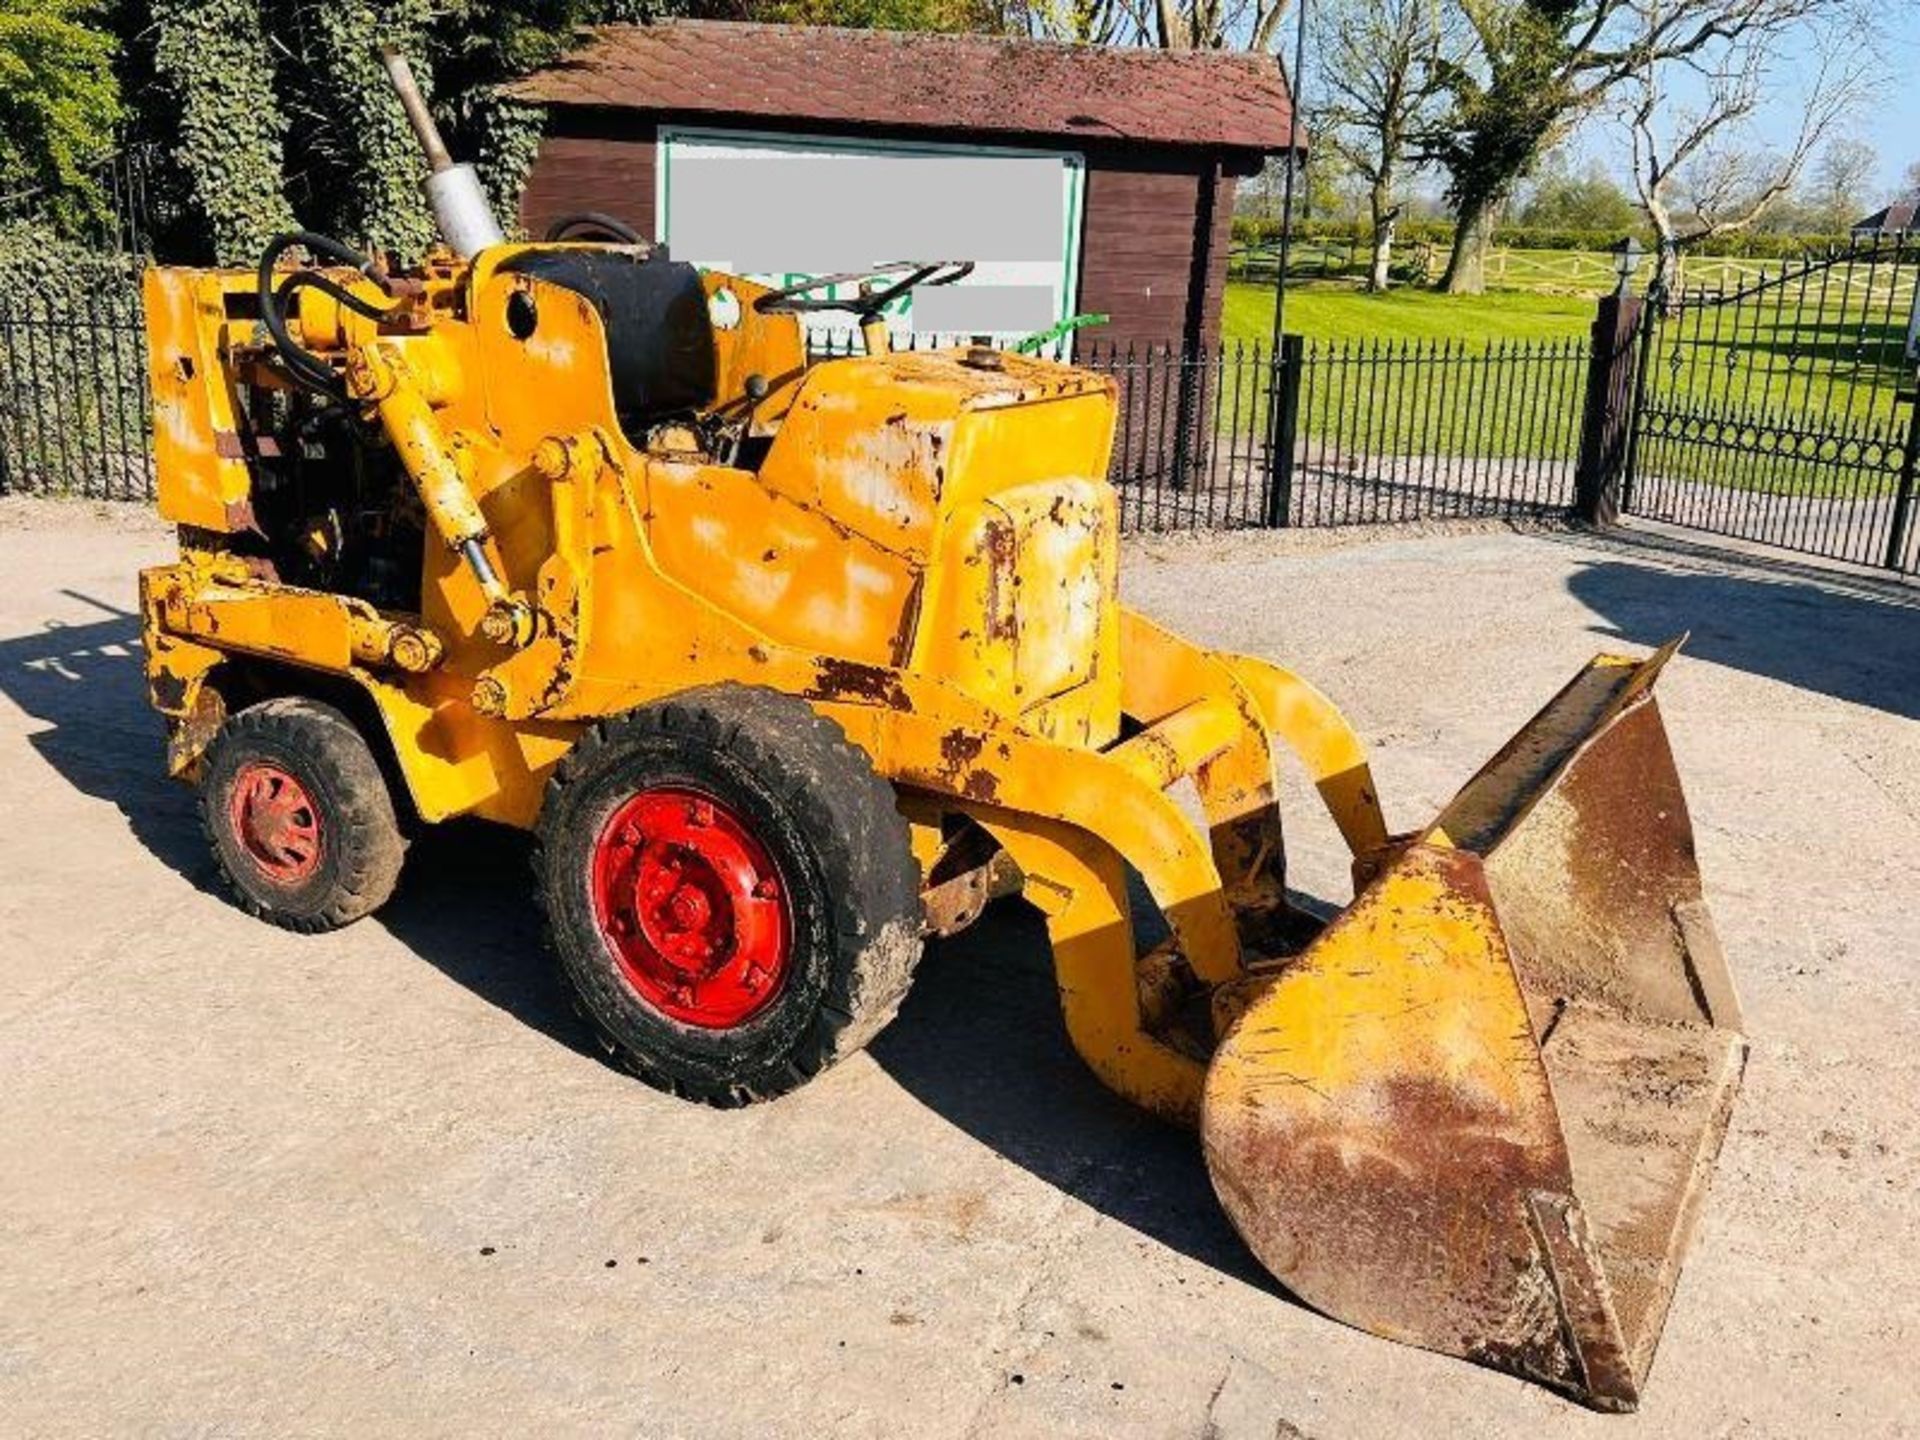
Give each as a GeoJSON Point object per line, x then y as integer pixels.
{"type": "Point", "coordinates": [1478, 1113]}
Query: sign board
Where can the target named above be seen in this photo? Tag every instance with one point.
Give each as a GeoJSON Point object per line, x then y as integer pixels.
{"type": "Point", "coordinates": [783, 208]}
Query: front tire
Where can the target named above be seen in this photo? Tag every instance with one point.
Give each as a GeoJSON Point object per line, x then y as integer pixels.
{"type": "Point", "coordinates": [299, 817]}
{"type": "Point", "coordinates": [730, 891]}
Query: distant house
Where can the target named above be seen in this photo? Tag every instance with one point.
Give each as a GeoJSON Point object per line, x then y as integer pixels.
{"type": "Point", "coordinates": [1082, 179]}
{"type": "Point", "coordinates": [1894, 219]}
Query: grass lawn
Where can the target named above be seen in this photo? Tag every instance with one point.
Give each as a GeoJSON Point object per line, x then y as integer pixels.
{"type": "Point", "coordinates": [1340, 312]}
{"type": "Point", "coordinates": [1412, 372]}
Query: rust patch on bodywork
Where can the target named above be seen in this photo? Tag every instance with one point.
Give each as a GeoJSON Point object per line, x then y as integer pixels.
{"type": "Point", "coordinates": [240, 517]}
{"type": "Point", "coordinates": [231, 445]}
{"type": "Point", "coordinates": [959, 770]}
{"type": "Point", "coordinates": [170, 692]}
{"type": "Point", "coordinates": [853, 680]}
{"type": "Point", "coordinates": [982, 785]}
{"type": "Point", "coordinates": [1000, 546]}
{"type": "Point", "coordinates": [971, 872]}
{"type": "Point", "coordinates": [189, 735]}
{"type": "Point", "coordinates": [960, 748]}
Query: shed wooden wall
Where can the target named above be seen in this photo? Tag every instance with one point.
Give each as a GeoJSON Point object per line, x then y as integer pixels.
{"type": "Point", "coordinates": [603, 164]}
{"type": "Point", "coordinates": [1145, 258]}
{"type": "Point", "coordinates": [1141, 255]}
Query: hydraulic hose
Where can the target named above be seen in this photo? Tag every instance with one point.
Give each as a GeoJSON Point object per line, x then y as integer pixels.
{"type": "Point", "coordinates": [590, 221]}
{"type": "Point", "coordinates": [315, 280]}
{"type": "Point", "coordinates": [302, 363]}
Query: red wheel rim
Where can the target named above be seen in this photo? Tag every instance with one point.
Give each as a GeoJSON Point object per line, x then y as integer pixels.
{"type": "Point", "coordinates": [692, 907]}
{"type": "Point", "coordinates": [275, 821]}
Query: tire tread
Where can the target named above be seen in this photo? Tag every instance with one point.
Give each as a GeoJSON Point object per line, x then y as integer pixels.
{"type": "Point", "coordinates": [365, 833]}
{"type": "Point", "coordinates": [806, 760]}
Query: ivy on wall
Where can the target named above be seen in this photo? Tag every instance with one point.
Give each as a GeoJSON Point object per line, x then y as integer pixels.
{"type": "Point", "coordinates": [504, 136]}
{"type": "Point", "coordinates": [277, 111]}
{"type": "Point", "coordinates": [38, 266]}
{"type": "Point", "coordinates": [366, 166]}
{"type": "Point", "coordinates": [229, 128]}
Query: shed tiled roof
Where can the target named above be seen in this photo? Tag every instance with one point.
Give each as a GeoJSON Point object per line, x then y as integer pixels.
{"type": "Point", "coordinates": [903, 80]}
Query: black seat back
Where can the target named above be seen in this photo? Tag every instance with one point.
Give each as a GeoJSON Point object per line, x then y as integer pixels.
{"type": "Point", "coordinates": [660, 349]}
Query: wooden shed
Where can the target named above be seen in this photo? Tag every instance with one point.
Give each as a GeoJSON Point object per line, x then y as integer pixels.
{"type": "Point", "coordinates": [1150, 143]}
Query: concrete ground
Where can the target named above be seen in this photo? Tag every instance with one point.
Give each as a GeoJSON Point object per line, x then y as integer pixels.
{"type": "Point", "coordinates": [374, 1182]}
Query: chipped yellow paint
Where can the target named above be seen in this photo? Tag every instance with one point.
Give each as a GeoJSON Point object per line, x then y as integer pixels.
{"type": "Point", "coordinates": [1448, 1009]}
{"type": "Point", "coordinates": [784, 569]}
{"type": "Point", "coordinates": [193, 400]}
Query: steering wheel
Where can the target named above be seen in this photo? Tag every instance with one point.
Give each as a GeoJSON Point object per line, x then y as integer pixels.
{"type": "Point", "coordinates": [800, 299]}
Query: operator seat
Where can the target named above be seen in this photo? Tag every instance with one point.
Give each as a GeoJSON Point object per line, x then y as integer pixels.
{"type": "Point", "coordinates": [660, 345]}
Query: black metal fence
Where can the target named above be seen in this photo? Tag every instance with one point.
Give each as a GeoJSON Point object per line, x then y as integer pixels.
{"type": "Point", "coordinates": [1346, 432]}
{"type": "Point", "coordinates": [1336, 433]}
{"type": "Point", "coordinates": [1769, 413]}
{"type": "Point", "coordinates": [74, 412]}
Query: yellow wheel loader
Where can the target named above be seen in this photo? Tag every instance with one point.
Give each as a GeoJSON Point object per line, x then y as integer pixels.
{"type": "Point", "coordinates": [789, 664]}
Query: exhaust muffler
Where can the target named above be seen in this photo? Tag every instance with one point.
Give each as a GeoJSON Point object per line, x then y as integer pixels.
{"type": "Point", "coordinates": [454, 191]}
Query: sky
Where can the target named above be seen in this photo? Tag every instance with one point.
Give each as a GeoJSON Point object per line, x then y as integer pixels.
{"type": "Point", "coordinates": [1889, 121]}
{"type": "Point", "coordinates": [1892, 124]}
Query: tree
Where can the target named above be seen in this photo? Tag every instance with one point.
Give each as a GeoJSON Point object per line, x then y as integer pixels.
{"type": "Point", "coordinates": [1840, 185]}
{"type": "Point", "coordinates": [1328, 187]}
{"type": "Point", "coordinates": [1540, 67]}
{"type": "Point", "coordinates": [1695, 169]}
{"type": "Point", "coordinates": [1590, 200]}
{"type": "Point", "coordinates": [1381, 62]}
{"type": "Point", "coordinates": [1512, 101]}
{"type": "Point", "coordinates": [1217, 24]}
{"type": "Point", "coordinates": [1165, 24]}
{"type": "Point", "coordinates": [59, 104]}
{"type": "Point", "coordinates": [1910, 182]}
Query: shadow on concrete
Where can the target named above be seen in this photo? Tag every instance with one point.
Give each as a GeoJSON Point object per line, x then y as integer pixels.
{"type": "Point", "coordinates": [1854, 638]}
{"type": "Point", "coordinates": [465, 905]}
{"type": "Point", "coordinates": [979, 1041]}
{"type": "Point", "coordinates": [84, 683]}
{"type": "Point", "coordinates": [465, 902]}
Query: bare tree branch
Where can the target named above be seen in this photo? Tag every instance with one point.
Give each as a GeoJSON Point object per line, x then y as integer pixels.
{"type": "Point", "coordinates": [1163, 24]}
{"type": "Point", "coordinates": [1694, 168]}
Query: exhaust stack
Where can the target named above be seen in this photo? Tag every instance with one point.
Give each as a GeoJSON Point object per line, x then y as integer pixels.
{"type": "Point", "coordinates": [459, 203]}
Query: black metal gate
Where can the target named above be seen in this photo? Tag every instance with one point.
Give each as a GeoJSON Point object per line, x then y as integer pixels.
{"type": "Point", "coordinates": [1780, 410]}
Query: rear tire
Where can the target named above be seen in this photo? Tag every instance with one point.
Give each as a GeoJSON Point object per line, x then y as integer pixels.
{"type": "Point", "coordinates": [730, 892]}
{"type": "Point", "coordinates": [299, 816]}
